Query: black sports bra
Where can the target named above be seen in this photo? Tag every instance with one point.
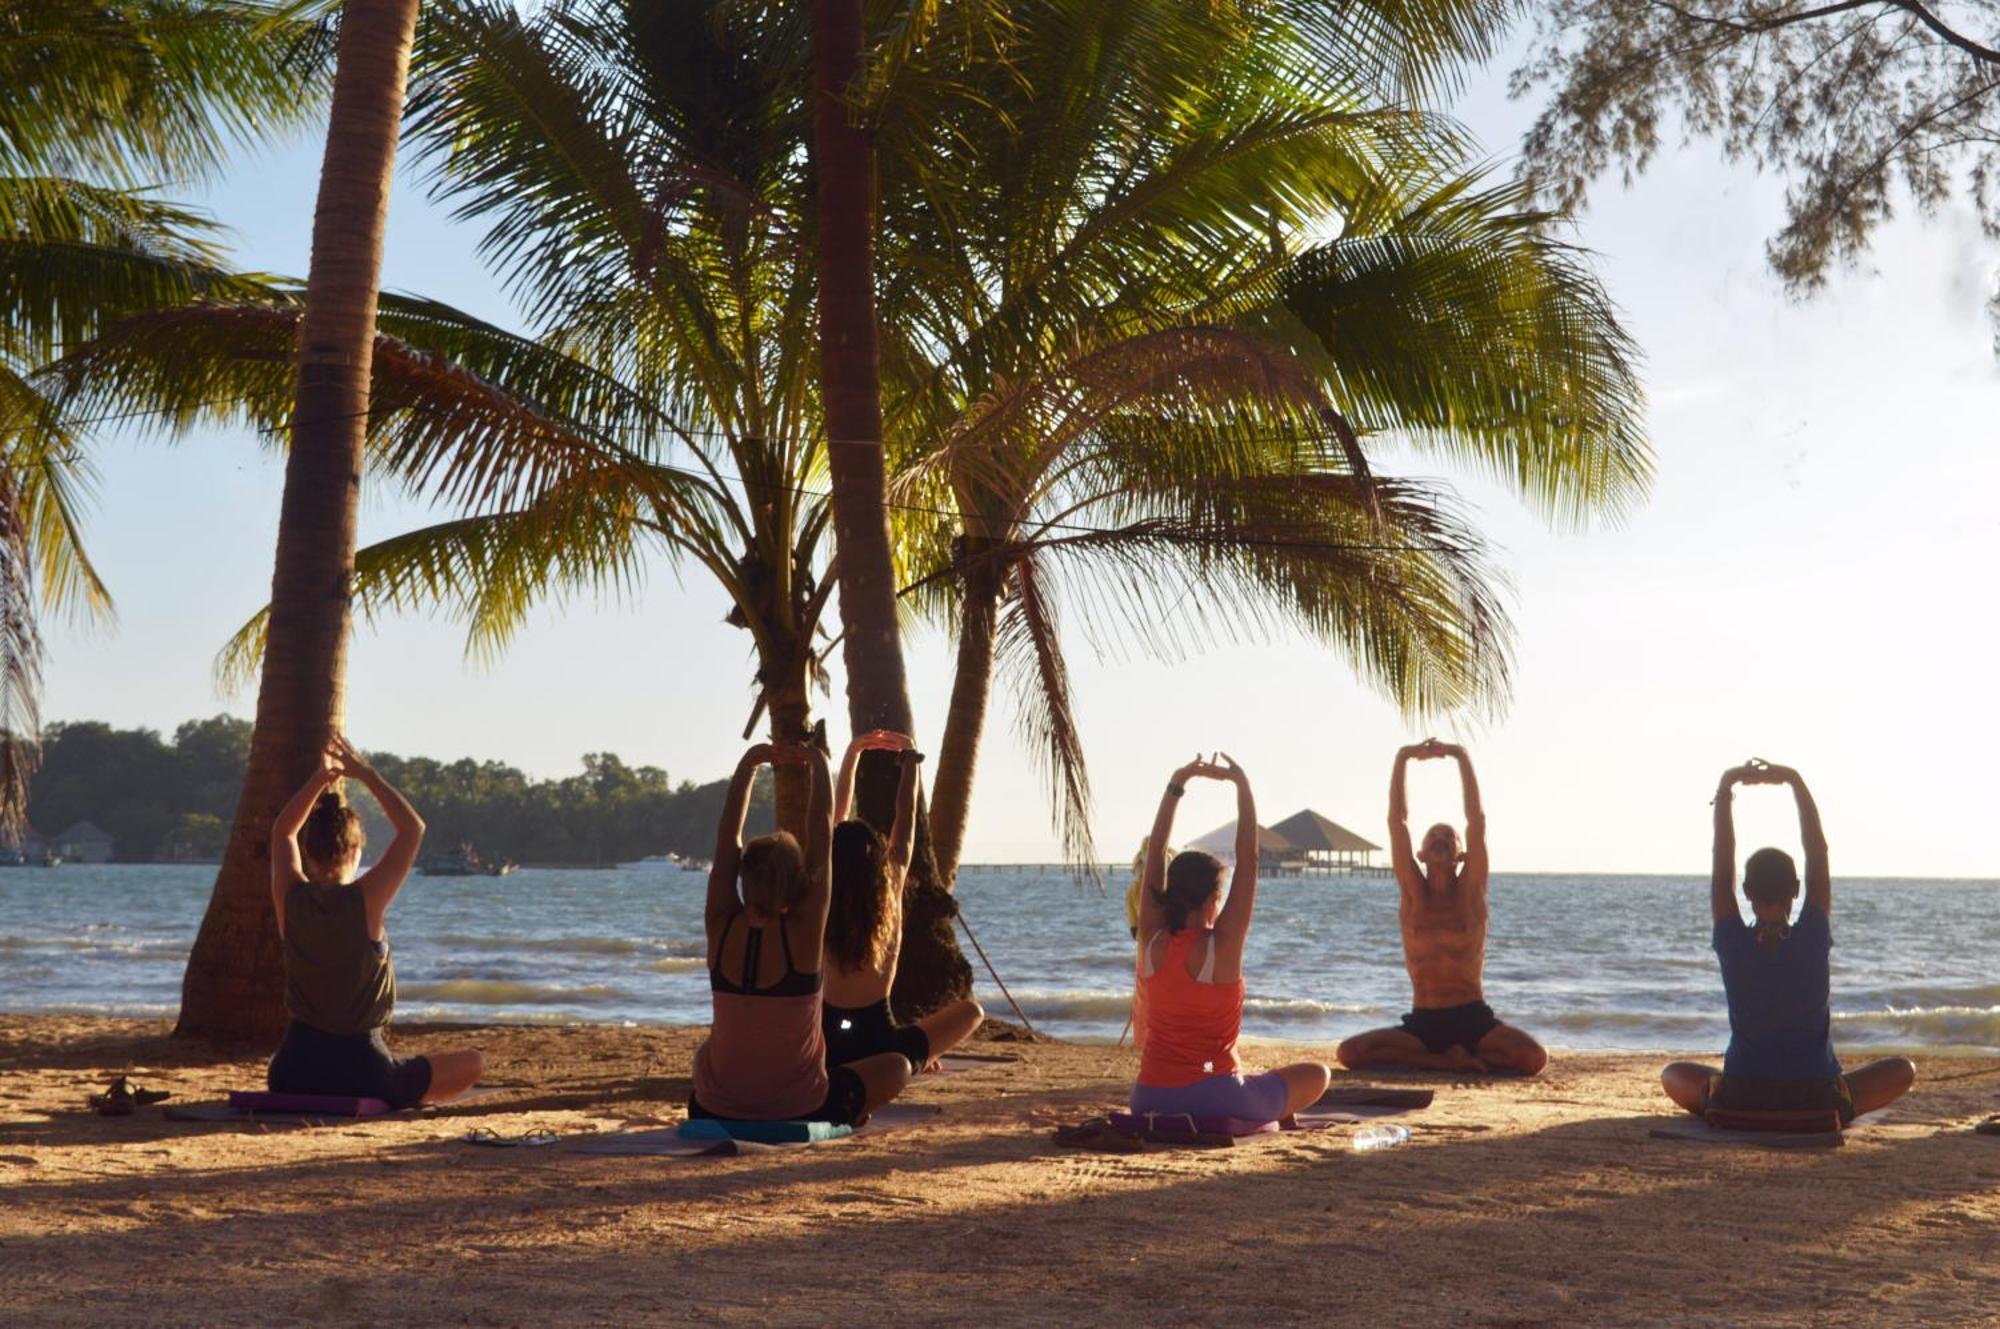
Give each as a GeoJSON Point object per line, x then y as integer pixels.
{"type": "Point", "coordinates": [793, 984]}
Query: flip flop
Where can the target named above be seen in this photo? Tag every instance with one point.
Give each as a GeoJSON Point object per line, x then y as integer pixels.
{"type": "Point", "coordinates": [1990, 1126]}
{"type": "Point", "coordinates": [528, 1140]}
{"type": "Point", "coordinates": [120, 1098]}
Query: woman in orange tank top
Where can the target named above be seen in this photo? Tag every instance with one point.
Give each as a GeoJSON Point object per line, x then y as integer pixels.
{"type": "Point", "coordinates": [1191, 974]}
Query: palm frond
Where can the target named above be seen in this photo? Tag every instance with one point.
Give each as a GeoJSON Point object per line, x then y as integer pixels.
{"type": "Point", "coordinates": [1028, 653]}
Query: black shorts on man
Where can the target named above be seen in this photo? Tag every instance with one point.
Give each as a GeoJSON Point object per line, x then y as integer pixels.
{"type": "Point", "coordinates": [1440, 1028]}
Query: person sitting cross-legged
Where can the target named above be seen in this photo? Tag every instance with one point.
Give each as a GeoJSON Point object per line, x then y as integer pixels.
{"type": "Point", "coordinates": [1776, 974]}
{"type": "Point", "coordinates": [864, 927]}
{"type": "Point", "coordinates": [1443, 911]}
{"type": "Point", "coordinates": [1191, 972]}
{"type": "Point", "coordinates": [764, 1058]}
{"type": "Point", "coordinates": [340, 983]}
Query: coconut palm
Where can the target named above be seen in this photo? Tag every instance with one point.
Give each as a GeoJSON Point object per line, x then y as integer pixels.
{"type": "Point", "coordinates": [1137, 371]}
{"type": "Point", "coordinates": [1131, 334]}
{"type": "Point", "coordinates": [106, 99]}
{"type": "Point", "coordinates": [232, 988]}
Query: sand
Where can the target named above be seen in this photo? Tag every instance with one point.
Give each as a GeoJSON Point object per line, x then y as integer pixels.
{"type": "Point", "coordinates": [1516, 1203]}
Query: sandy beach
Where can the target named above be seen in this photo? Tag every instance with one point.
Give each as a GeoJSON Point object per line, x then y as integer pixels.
{"type": "Point", "coordinates": [1516, 1203]}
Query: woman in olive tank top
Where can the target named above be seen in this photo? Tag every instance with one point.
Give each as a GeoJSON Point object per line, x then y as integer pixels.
{"type": "Point", "coordinates": [340, 984]}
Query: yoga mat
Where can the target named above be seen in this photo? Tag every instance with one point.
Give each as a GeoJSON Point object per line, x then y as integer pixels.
{"type": "Point", "coordinates": [668, 1142]}
{"type": "Point", "coordinates": [1366, 1095]}
{"type": "Point", "coordinates": [224, 1111]}
{"type": "Point", "coordinates": [1699, 1131]}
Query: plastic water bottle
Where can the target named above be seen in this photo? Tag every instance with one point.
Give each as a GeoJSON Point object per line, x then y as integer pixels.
{"type": "Point", "coordinates": [1382, 1136]}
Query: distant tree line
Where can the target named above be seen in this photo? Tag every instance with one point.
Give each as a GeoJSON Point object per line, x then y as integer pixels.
{"type": "Point", "coordinates": [171, 799]}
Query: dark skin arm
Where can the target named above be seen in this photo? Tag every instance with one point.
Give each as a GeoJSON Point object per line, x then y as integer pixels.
{"type": "Point", "coordinates": [1819, 877]}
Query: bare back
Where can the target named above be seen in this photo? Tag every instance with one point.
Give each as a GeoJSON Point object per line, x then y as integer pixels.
{"type": "Point", "coordinates": [1444, 936]}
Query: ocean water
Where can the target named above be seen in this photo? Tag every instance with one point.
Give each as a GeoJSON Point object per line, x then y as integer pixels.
{"type": "Point", "coordinates": [1595, 962]}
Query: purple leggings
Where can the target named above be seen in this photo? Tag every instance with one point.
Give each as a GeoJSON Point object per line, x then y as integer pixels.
{"type": "Point", "coordinates": [1247, 1098]}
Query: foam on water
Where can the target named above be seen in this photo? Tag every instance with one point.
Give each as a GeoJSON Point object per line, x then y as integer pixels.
{"type": "Point", "coordinates": [1587, 962]}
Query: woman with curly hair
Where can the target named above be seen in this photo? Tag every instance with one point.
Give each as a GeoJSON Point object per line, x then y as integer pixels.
{"type": "Point", "coordinates": [864, 927]}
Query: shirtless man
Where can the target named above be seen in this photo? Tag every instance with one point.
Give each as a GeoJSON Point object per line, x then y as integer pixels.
{"type": "Point", "coordinates": [1444, 945]}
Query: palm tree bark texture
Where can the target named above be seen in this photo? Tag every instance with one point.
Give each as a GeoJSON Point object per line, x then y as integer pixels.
{"type": "Point", "coordinates": [932, 970]}
{"type": "Point", "coordinates": [234, 987]}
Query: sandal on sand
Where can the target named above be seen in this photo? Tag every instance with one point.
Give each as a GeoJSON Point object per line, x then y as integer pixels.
{"type": "Point", "coordinates": [528, 1140]}
{"type": "Point", "coordinates": [1990, 1126]}
{"type": "Point", "coordinates": [1097, 1134]}
{"type": "Point", "coordinates": [119, 1098]}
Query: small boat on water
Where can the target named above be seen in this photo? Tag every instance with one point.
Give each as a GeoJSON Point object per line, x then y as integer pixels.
{"type": "Point", "coordinates": [465, 861]}
{"type": "Point", "coordinates": [669, 860]}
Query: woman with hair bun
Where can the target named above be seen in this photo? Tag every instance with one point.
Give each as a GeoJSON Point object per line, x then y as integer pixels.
{"type": "Point", "coordinates": [1191, 974]}
{"type": "Point", "coordinates": [340, 984]}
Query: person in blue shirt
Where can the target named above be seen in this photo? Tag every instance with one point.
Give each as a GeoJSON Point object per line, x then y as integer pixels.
{"type": "Point", "coordinates": [1775, 973]}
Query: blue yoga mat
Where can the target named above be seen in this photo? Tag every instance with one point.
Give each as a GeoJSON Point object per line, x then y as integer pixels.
{"type": "Point", "coordinates": [762, 1132]}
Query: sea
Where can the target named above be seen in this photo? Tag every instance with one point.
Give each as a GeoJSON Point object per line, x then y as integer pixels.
{"type": "Point", "coordinates": [1582, 961]}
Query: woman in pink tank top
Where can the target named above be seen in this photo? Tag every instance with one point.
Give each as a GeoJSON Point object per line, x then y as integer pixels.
{"type": "Point", "coordinates": [764, 1058]}
{"type": "Point", "coordinates": [1191, 974]}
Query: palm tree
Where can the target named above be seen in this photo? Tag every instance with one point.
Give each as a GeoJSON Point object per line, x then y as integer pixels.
{"type": "Point", "coordinates": [1140, 362]}
{"type": "Point", "coordinates": [106, 98]}
{"type": "Point", "coordinates": [232, 988]}
{"type": "Point", "coordinates": [1138, 371]}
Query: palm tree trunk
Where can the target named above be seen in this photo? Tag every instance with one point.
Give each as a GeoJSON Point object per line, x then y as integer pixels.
{"type": "Point", "coordinates": [850, 377]}
{"type": "Point", "coordinates": [791, 713]}
{"type": "Point", "coordinates": [878, 695]}
{"type": "Point", "coordinates": [965, 721]}
{"type": "Point", "coordinates": [234, 987]}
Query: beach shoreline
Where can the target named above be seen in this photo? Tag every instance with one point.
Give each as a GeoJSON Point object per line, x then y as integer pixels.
{"type": "Point", "coordinates": [1517, 1202]}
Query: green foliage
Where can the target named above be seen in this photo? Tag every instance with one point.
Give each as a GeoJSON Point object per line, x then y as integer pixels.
{"type": "Point", "coordinates": [137, 786]}
{"type": "Point", "coordinates": [1860, 106]}
{"type": "Point", "coordinates": [104, 101]}
{"type": "Point", "coordinates": [174, 799]}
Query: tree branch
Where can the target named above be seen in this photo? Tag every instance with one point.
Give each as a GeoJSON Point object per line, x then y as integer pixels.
{"type": "Point", "coordinates": [1914, 8]}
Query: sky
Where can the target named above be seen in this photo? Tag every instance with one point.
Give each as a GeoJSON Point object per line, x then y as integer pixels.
{"type": "Point", "coordinates": [1805, 582]}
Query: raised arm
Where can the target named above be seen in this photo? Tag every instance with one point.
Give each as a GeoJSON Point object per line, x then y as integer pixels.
{"type": "Point", "coordinates": [1722, 872]}
{"type": "Point", "coordinates": [1475, 817]}
{"type": "Point", "coordinates": [380, 883]}
{"type": "Point", "coordinates": [1153, 876]}
{"type": "Point", "coordinates": [287, 866]}
{"type": "Point", "coordinates": [875, 740]}
{"type": "Point", "coordinates": [722, 903]}
{"type": "Point", "coordinates": [1819, 878]}
{"type": "Point", "coordinates": [1402, 856]}
{"type": "Point", "coordinates": [1234, 920]}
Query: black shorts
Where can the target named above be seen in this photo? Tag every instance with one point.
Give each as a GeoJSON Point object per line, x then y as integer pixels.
{"type": "Point", "coordinates": [310, 1061]}
{"type": "Point", "coordinates": [854, 1032]}
{"type": "Point", "coordinates": [846, 1100]}
{"type": "Point", "coordinates": [1749, 1093]}
{"type": "Point", "coordinates": [1441, 1027]}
